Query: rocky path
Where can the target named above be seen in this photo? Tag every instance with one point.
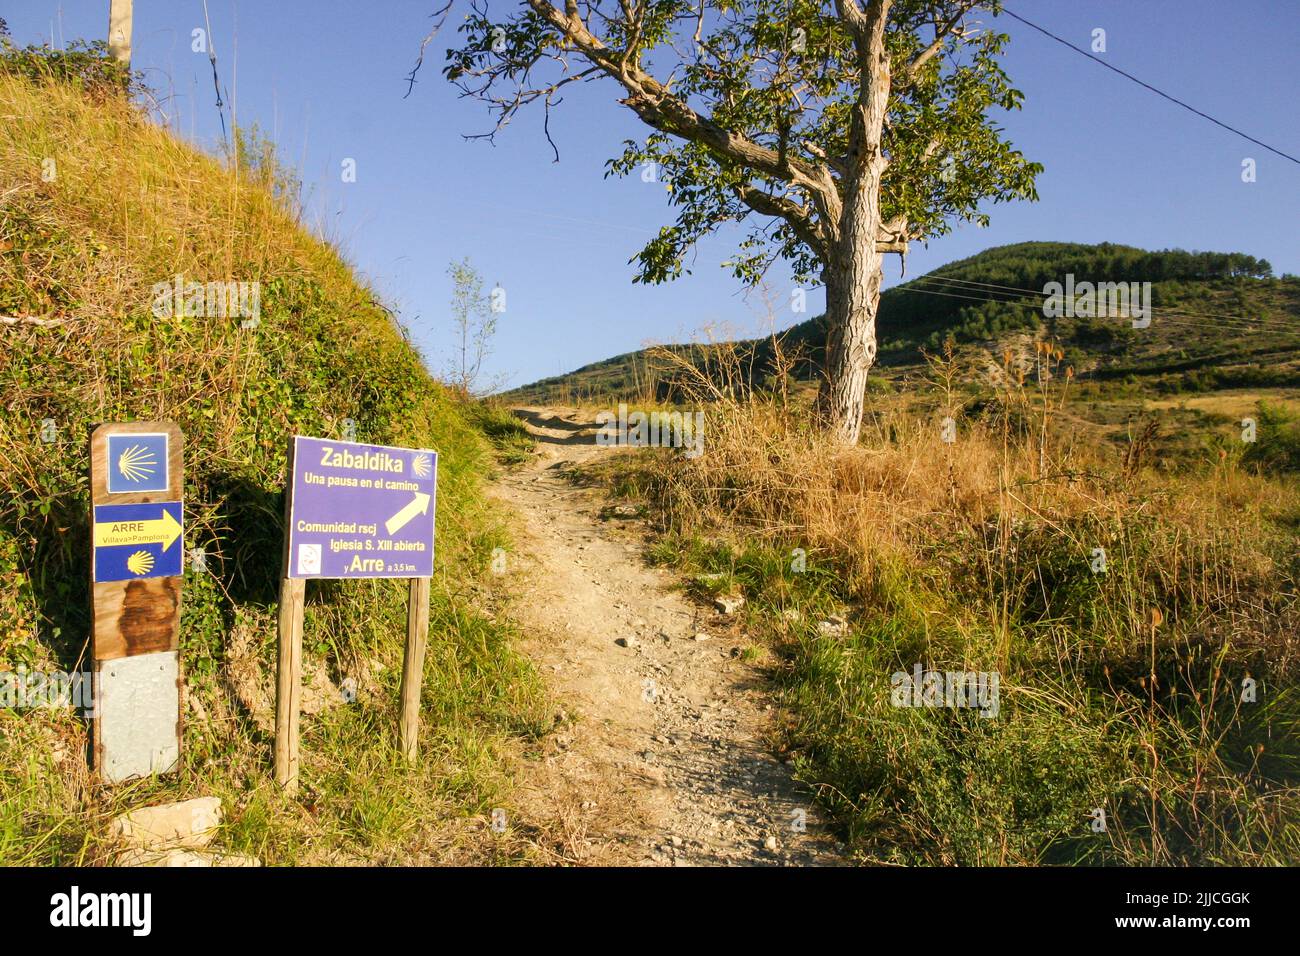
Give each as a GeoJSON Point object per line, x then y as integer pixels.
{"type": "Point", "coordinates": [661, 759]}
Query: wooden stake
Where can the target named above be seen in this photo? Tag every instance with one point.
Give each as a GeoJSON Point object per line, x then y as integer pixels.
{"type": "Point", "coordinates": [288, 683]}
{"type": "Point", "coordinates": [288, 676]}
{"type": "Point", "coordinates": [417, 633]}
{"type": "Point", "coordinates": [119, 30]}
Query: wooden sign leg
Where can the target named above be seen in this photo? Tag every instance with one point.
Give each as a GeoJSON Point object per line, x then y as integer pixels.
{"type": "Point", "coordinates": [417, 633]}
{"type": "Point", "coordinates": [288, 684]}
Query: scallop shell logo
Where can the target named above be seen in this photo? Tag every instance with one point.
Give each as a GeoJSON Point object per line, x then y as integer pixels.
{"type": "Point", "coordinates": [140, 563]}
{"type": "Point", "coordinates": [420, 465]}
{"type": "Point", "coordinates": [136, 462]}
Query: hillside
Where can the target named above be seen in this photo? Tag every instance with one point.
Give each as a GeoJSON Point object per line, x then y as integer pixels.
{"type": "Point", "coordinates": [1115, 552]}
{"type": "Point", "coordinates": [1219, 320]}
{"type": "Point", "coordinates": [978, 637]}
{"type": "Point", "coordinates": [98, 205]}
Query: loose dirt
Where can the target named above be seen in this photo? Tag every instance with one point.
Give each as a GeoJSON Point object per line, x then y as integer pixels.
{"type": "Point", "coordinates": [662, 756]}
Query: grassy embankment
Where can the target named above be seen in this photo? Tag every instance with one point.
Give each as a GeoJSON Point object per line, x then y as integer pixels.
{"type": "Point", "coordinates": [1120, 689]}
{"type": "Point", "coordinates": [132, 205]}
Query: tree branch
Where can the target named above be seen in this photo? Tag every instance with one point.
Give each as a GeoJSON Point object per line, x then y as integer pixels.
{"type": "Point", "coordinates": [31, 320]}
{"type": "Point", "coordinates": [852, 14]}
{"type": "Point", "coordinates": [868, 31]}
{"type": "Point", "coordinates": [668, 113]}
{"type": "Point", "coordinates": [441, 17]}
{"type": "Point", "coordinates": [942, 29]}
{"type": "Point", "coordinates": [799, 217]}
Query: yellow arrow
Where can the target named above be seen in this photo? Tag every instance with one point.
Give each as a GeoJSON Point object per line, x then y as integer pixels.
{"type": "Point", "coordinates": [164, 531]}
{"type": "Point", "coordinates": [418, 506]}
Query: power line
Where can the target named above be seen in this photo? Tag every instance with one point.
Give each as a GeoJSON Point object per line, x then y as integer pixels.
{"type": "Point", "coordinates": [1034, 304]}
{"type": "Point", "coordinates": [1260, 323]}
{"type": "Point", "coordinates": [982, 286]}
{"type": "Point", "coordinates": [1250, 325]}
{"type": "Point", "coordinates": [1129, 76]}
{"type": "Point", "coordinates": [216, 83]}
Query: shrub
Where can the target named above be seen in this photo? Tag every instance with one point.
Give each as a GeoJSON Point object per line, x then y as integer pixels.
{"type": "Point", "coordinates": [1277, 440]}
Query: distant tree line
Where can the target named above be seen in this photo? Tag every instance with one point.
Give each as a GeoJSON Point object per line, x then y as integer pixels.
{"type": "Point", "coordinates": [998, 290]}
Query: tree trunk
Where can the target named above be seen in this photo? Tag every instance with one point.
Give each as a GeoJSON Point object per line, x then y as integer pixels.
{"type": "Point", "coordinates": [852, 272]}
{"type": "Point", "coordinates": [852, 278]}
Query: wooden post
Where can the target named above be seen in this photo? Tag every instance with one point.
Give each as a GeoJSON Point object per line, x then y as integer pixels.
{"type": "Point", "coordinates": [288, 683]}
{"type": "Point", "coordinates": [417, 633]}
{"type": "Point", "coordinates": [330, 525]}
{"type": "Point", "coordinates": [119, 30]}
{"type": "Point", "coordinates": [137, 569]}
{"type": "Point", "coordinates": [288, 675]}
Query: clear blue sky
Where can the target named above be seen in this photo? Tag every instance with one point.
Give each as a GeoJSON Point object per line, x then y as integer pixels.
{"type": "Point", "coordinates": [326, 79]}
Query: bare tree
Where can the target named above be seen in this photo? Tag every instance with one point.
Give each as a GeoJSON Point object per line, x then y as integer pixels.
{"type": "Point", "coordinates": [474, 324]}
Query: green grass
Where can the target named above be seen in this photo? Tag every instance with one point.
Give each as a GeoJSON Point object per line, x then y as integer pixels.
{"type": "Point", "coordinates": [1277, 440]}
{"type": "Point", "coordinates": [132, 205]}
{"type": "Point", "coordinates": [512, 441]}
{"type": "Point", "coordinates": [977, 557]}
{"type": "Point", "coordinates": [949, 787]}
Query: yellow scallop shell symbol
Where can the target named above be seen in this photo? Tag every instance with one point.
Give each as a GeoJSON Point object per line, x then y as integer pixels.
{"type": "Point", "coordinates": [420, 465]}
{"type": "Point", "coordinates": [136, 462]}
{"type": "Point", "coordinates": [140, 563]}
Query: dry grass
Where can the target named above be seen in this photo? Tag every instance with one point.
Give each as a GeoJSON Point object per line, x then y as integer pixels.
{"type": "Point", "coordinates": [1121, 689]}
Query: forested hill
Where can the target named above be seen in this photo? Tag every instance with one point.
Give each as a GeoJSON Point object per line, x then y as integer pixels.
{"type": "Point", "coordinates": [1223, 312]}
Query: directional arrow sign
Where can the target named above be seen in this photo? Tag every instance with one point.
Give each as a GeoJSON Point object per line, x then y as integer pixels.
{"type": "Point", "coordinates": [164, 531]}
{"type": "Point", "coordinates": [361, 511]}
{"type": "Point", "coordinates": [419, 506]}
{"type": "Point", "coordinates": [137, 541]}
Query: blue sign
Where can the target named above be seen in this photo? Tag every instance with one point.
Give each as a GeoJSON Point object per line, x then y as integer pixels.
{"type": "Point", "coordinates": [361, 511]}
{"type": "Point", "coordinates": [137, 462]}
{"type": "Point", "coordinates": [138, 541]}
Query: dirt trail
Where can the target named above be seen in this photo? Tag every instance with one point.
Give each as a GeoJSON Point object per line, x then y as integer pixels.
{"type": "Point", "coordinates": [662, 759]}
